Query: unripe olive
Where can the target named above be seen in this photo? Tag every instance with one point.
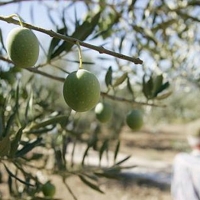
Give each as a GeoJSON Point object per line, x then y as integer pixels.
{"type": "Point", "coordinates": [81, 90]}
{"type": "Point", "coordinates": [103, 112]}
{"type": "Point", "coordinates": [48, 189]}
{"type": "Point", "coordinates": [134, 119]}
{"type": "Point", "coordinates": [22, 47]}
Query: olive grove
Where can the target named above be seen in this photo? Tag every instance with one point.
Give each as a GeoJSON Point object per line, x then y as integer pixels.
{"type": "Point", "coordinates": [142, 53]}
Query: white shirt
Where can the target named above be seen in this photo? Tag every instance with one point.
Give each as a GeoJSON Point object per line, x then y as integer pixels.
{"type": "Point", "coordinates": [186, 176]}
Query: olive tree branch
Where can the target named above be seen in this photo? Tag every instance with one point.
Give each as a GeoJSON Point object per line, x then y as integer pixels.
{"type": "Point", "coordinates": [35, 70]}
{"type": "Point", "coordinates": [105, 94]}
{"type": "Point", "coordinates": [69, 189]}
{"type": "Point", "coordinates": [72, 40]}
{"type": "Point", "coordinates": [9, 2]}
{"type": "Point", "coordinates": [6, 59]}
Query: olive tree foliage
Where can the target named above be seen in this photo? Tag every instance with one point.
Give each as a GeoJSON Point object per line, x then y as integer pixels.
{"type": "Point", "coordinates": [136, 49]}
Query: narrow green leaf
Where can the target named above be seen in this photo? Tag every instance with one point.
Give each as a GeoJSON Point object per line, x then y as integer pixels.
{"type": "Point", "coordinates": [121, 42]}
{"type": "Point", "coordinates": [13, 176]}
{"type": "Point", "coordinates": [40, 131]}
{"type": "Point", "coordinates": [53, 120]}
{"type": "Point", "coordinates": [120, 80]}
{"type": "Point", "coordinates": [81, 33]}
{"type": "Point", "coordinates": [108, 175]}
{"type": "Point", "coordinates": [4, 146]}
{"type": "Point", "coordinates": [54, 43]}
{"type": "Point", "coordinates": [85, 154]}
{"type": "Point", "coordinates": [29, 106]}
{"type": "Point", "coordinates": [1, 123]}
{"type": "Point", "coordinates": [164, 96]}
{"type": "Point", "coordinates": [9, 124]}
{"type": "Point", "coordinates": [108, 77]}
{"type": "Point", "coordinates": [147, 87]}
{"type": "Point", "coordinates": [164, 87]}
{"type": "Point", "coordinates": [12, 116]}
{"type": "Point", "coordinates": [10, 182]}
{"type": "Point", "coordinates": [103, 148]}
{"type": "Point", "coordinates": [112, 173]}
{"type": "Point", "coordinates": [130, 87]}
{"type": "Point", "coordinates": [157, 83]}
{"type": "Point", "coordinates": [1, 40]}
{"type": "Point", "coordinates": [28, 147]}
{"type": "Point", "coordinates": [116, 151]}
{"type": "Point", "coordinates": [92, 176]}
{"type": "Point", "coordinates": [15, 142]}
{"type": "Point", "coordinates": [90, 184]}
{"type": "Point", "coordinates": [123, 160]}
{"type": "Point", "coordinates": [88, 26]}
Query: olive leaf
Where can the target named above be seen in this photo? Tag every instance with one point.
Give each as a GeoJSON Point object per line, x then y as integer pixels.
{"type": "Point", "coordinates": [164, 87]}
{"type": "Point", "coordinates": [15, 142]}
{"type": "Point", "coordinates": [120, 80]}
{"type": "Point", "coordinates": [157, 84]}
{"type": "Point", "coordinates": [103, 148]}
{"type": "Point", "coordinates": [116, 151]}
{"type": "Point", "coordinates": [164, 95]}
{"type": "Point", "coordinates": [81, 33]}
{"type": "Point", "coordinates": [130, 87]}
{"type": "Point", "coordinates": [4, 146]}
{"type": "Point", "coordinates": [54, 43]}
{"type": "Point", "coordinates": [111, 174]}
{"type": "Point", "coordinates": [28, 147]}
{"type": "Point", "coordinates": [147, 87]}
{"type": "Point", "coordinates": [108, 77]}
{"type": "Point", "coordinates": [90, 184]}
{"type": "Point", "coordinates": [17, 178]}
{"type": "Point", "coordinates": [13, 115]}
{"type": "Point", "coordinates": [85, 154]}
{"type": "Point", "coordinates": [62, 119]}
{"type": "Point", "coordinates": [1, 40]}
{"type": "Point", "coordinates": [106, 24]}
{"type": "Point", "coordinates": [123, 160]}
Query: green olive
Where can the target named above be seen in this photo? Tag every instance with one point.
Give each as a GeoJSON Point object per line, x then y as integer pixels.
{"type": "Point", "coordinates": [134, 119]}
{"type": "Point", "coordinates": [48, 189]}
{"type": "Point", "coordinates": [22, 47]}
{"type": "Point", "coordinates": [103, 112]}
{"type": "Point", "coordinates": [81, 90]}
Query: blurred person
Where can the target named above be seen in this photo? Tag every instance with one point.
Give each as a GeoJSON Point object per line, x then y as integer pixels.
{"type": "Point", "coordinates": [185, 183]}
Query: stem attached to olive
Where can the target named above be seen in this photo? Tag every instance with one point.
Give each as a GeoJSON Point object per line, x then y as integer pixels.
{"type": "Point", "coordinates": [80, 55]}
{"type": "Point", "coordinates": [19, 18]}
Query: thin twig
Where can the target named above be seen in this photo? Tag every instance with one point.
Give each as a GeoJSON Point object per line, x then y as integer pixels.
{"type": "Point", "coordinates": [69, 189]}
{"type": "Point", "coordinates": [35, 70]}
{"type": "Point", "coordinates": [104, 94]}
{"type": "Point", "coordinates": [18, 179]}
{"type": "Point", "coordinates": [72, 40]}
{"type": "Point", "coordinates": [6, 59]}
{"type": "Point", "coordinates": [9, 2]}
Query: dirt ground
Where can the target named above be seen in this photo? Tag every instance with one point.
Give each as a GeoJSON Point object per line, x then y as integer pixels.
{"type": "Point", "coordinates": [161, 144]}
{"type": "Point", "coordinates": [152, 144]}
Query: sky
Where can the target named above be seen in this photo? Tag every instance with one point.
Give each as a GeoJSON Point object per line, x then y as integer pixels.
{"type": "Point", "coordinates": [36, 13]}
